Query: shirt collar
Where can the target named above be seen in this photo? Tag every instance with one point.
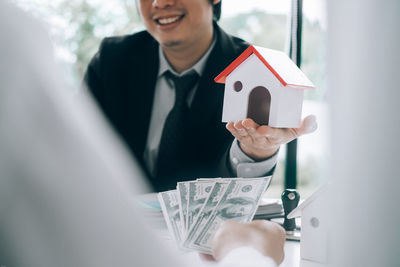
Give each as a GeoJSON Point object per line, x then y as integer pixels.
{"type": "Point", "coordinates": [198, 67]}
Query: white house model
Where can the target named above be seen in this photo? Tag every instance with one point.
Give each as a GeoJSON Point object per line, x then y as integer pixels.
{"type": "Point", "coordinates": [264, 85]}
{"type": "Point", "coordinates": [314, 228]}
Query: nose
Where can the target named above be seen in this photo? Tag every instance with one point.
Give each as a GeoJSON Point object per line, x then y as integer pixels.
{"type": "Point", "coordinates": [163, 3]}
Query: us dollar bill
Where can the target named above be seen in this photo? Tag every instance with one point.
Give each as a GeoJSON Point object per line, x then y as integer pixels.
{"type": "Point", "coordinates": [183, 195]}
{"type": "Point", "coordinates": [239, 203]}
{"type": "Point", "coordinates": [170, 207]}
{"type": "Point", "coordinates": [213, 199]}
{"type": "Point", "coordinates": [198, 194]}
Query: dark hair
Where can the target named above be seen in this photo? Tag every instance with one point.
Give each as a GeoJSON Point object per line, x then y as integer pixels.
{"type": "Point", "coordinates": [216, 10]}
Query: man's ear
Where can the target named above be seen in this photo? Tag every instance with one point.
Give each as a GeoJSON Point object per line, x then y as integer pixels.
{"type": "Point", "coordinates": [216, 2]}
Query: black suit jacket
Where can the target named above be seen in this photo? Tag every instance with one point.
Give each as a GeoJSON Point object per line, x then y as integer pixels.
{"type": "Point", "coordinates": [122, 77]}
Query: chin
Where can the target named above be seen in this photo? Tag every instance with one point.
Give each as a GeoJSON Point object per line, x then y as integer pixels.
{"type": "Point", "coordinates": [171, 43]}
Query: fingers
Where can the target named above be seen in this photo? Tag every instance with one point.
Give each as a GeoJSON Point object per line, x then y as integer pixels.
{"type": "Point", "coordinates": [250, 124]}
{"type": "Point", "coordinates": [274, 239]}
{"type": "Point", "coordinates": [229, 235]}
{"type": "Point", "coordinates": [267, 131]}
{"type": "Point", "coordinates": [270, 227]}
{"type": "Point", "coordinates": [231, 128]}
{"type": "Point", "coordinates": [243, 128]}
{"type": "Point", "coordinates": [275, 135]}
{"type": "Point", "coordinates": [253, 144]}
{"type": "Point", "coordinates": [266, 237]}
{"type": "Point", "coordinates": [240, 132]}
{"type": "Point", "coordinates": [253, 129]}
{"type": "Point", "coordinates": [285, 135]}
{"type": "Point", "coordinates": [254, 136]}
{"type": "Point", "coordinates": [206, 257]}
{"type": "Point", "coordinates": [308, 125]}
{"type": "Point", "coordinates": [240, 129]}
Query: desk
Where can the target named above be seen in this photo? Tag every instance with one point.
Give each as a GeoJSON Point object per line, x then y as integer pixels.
{"type": "Point", "coordinates": [292, 254]}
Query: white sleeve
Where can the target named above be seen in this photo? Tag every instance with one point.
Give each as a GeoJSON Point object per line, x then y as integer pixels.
{"type": "Point", "coordinates": [244, 166]}
{"type": "Point", "coordinates": [246, 257]}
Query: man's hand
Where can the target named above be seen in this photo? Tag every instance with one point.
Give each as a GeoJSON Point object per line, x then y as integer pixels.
{"type": "Point", "coordinates": [265, 236]}
{"type": "Point", "coordinates": [261, 141]}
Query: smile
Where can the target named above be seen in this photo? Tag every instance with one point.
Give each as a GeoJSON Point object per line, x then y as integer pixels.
{"type": "Point", "coordinates": [169, 20]}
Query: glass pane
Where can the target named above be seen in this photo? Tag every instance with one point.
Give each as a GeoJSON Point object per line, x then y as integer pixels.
{"type": "Point", "coordinates": [260, 22]}
{"type": "Point", "coordinates": [78, 26]}
{"type": "Point", "coordinates": [312, 149]}
{"type": "Point", "coordinates": [263, 23]}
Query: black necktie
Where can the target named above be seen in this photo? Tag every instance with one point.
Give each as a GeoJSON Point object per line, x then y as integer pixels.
{"type": "Point", "coordinates": [173, 135]}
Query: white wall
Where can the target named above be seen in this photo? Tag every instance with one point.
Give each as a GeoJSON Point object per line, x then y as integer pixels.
{"type": "Point", "coordinates": [364, 84]}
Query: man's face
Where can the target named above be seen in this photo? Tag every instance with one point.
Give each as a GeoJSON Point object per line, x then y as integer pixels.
{"type": "Point", "coordinates": [175, 23]}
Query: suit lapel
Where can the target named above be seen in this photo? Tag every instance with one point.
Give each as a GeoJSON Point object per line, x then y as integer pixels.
{"type": "Point", "coordinates": [141, 87]}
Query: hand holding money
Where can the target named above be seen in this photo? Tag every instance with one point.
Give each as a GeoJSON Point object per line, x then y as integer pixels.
{"type": "Point", "coordinates": [265, 236]}
{"type": "Point", "coordinates": [195, 210]}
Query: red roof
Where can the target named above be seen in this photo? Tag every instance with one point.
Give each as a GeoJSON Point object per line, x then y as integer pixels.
{"type": "Point", "coordinates": [277, 62]}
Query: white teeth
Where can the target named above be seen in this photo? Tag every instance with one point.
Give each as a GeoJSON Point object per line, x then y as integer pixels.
{"type": "Point", "coordinates": [168, 20]}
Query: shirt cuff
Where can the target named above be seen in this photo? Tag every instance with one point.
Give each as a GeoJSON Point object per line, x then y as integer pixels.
{"type": "Point", "coordinates": [244, 166]}
{"type": "Point", "coordinates": [246, 257]}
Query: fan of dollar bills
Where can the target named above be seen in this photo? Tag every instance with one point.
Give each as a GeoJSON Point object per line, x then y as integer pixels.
{"type": "Point", "coordinates": [194, 211]}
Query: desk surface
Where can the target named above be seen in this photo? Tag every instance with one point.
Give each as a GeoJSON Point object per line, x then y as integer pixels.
{"type": "Point", "coordinates": [292, 254]}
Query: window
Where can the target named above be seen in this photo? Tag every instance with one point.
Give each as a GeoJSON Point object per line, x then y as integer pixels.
{"type": "Point", "coordinates": [312, 148]}
{"type": "Point", "coordinates": [77, 27]}
{"type": "Point", "coordinates": [260, 22]}
{"type": "Point", "coordinates": [266, 23]}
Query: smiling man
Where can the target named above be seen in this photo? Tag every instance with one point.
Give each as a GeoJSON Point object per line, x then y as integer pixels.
{"type": "Point", "coordinates": [156, 88]}
{"type": "Point", "coordinates": [184, 31]}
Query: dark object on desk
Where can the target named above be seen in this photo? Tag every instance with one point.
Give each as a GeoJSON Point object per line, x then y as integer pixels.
{"type": "Point", "coordinates": [269, 209]}
{"type": "Point", "coordinates": [290, 200]}
{"type": "Point", "coordinates": [269, 216]}
{"type": "Point", "coordinates": [294, 235]}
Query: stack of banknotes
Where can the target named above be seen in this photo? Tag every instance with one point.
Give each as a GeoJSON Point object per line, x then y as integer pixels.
{"type": "Point", "coordinates": [194, 211]}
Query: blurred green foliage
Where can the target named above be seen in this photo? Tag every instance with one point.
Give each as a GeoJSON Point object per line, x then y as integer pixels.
{"type": "Point", "coordinates": [314, 59]}
{"type": "Point", "coordinates": [258, 28]}
{"type": "Point", "coordinates": [93, 22]}
{"type": "Point", "coordinates": [78, 26]}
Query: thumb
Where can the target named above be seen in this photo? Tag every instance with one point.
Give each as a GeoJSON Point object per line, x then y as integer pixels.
{"type": "Point", "coordinates": [308, 125]}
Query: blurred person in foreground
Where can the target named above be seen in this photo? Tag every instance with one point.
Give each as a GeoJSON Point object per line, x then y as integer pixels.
{"type": "Point", "coordinates": [174, 127]}
{"type": "Point", "coordinates": [66, 183]}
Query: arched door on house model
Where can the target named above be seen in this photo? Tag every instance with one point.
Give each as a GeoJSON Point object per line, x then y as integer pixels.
{"type": "Point", "coordinates": [259, 105]}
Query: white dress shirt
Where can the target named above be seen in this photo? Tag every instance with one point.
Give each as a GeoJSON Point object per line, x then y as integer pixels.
{"type": "Point", "coordinates": [66, 182]}
{"type": "Point", "coordinates": [164, 99]}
